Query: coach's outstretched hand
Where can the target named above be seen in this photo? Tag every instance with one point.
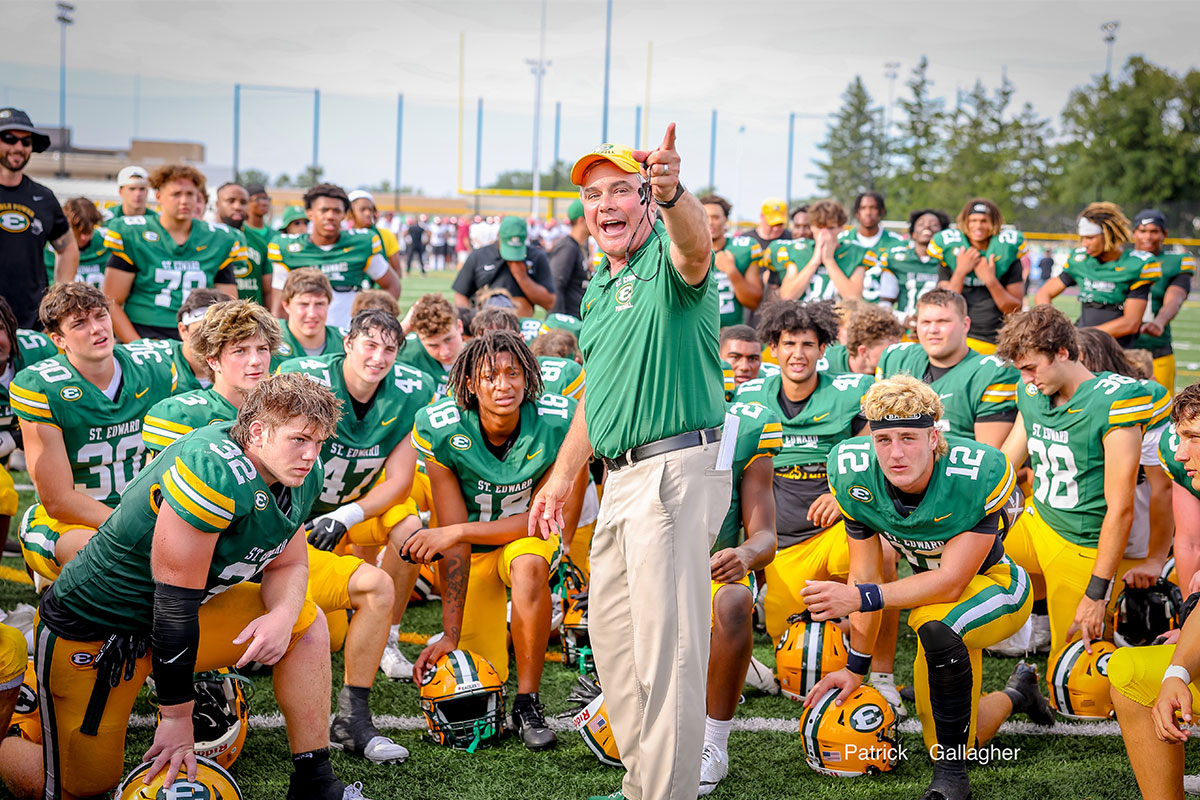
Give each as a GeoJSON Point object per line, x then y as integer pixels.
{"type": "Point", "coordinates": [546, 511]}
{"type": "Point", "coordinates": [663, 182]}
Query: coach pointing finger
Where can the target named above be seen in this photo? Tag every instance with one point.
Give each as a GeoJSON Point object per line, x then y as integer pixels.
{"type": "Point", "coordinates": [653, 413]}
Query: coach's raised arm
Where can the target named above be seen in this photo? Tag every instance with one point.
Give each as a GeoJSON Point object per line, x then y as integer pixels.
{"type": "Point", "coordinates": [653, 413]}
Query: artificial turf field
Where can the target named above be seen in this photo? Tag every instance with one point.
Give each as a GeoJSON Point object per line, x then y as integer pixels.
{"type": "Point", "coordinates": [1072, 760]}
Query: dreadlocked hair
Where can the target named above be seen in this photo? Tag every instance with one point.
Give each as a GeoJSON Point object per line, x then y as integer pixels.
{"type": "Point", "coordinates": [1113, 224]}
{"type": "Point", "coordinates": [478, 358]}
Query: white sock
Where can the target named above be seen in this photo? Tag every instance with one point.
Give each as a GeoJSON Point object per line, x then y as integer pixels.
{"type": "Point", "coordinates": [882, 677]}
{"type": "Point", "coordinates": [716, 732]}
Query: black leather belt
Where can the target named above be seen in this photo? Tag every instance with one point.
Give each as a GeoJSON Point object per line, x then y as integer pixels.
{"type": "Point", "coordinates": [680, 441]}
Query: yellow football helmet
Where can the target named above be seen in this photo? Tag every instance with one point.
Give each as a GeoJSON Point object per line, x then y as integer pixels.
{"type": "Point", "coordinates": [462, 698]}
{"type": "Point", "coordinates": [221, 715]}
{"type": "Point", "coordinates": [573, 634]}
{"type": "Point", "coordinates": [590, 718]}
{"type": "Point", "coordinates": [27, 718]}
{"type": "Point", "coordinates": [856, 738]}
{"type": "Point", "coordinates": [426, 587]}
{"type": "Point", "coordinates": [807, 651]}
{"type": "Point", "coordinates": [212, 783]}
{"type": "Point", "coordinates": [1079, 682]}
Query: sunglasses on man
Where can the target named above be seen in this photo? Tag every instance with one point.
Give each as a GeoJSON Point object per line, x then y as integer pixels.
{"type": "Point", "coordinates": [8, 137]}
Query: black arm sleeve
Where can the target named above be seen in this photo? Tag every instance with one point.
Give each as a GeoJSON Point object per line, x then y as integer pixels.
{"type": "Point", "coordinates": [116, 262]}
{"type": "Point", "coordinates": [856, 530]}
{"type": "Point", "coordinates": [225, 275]}
{"type": "Point", "coordinates": [174, 640]}
{"type": "Point", "coordinates": [1140, 293]}
{"type": "Point", "coordinates": [1183, 280]}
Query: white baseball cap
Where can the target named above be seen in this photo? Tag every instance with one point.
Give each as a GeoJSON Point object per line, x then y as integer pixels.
{"type": "Point", "coordinates": [359, 194]}
{"type": "Point", "coordinates": [130, 175]}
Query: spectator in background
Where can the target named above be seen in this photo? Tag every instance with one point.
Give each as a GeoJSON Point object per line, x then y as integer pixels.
{"type": "Point", "coordinates": [569, 263]}
{"type": "Point", "coordinates": [437, 244]}
{"type": "Point", "coordinates": [364, 214]}
{"type": "Point", "coordinates": [800, 227]}
{"type": "Point", "coordinates": [32, 218]}
{"type": "Point", "coordinates": [84, 218]}
{"type": "Point", "coordinates": [1044, 271]}
{"type": "Point", "coordinates": [294, 221]}
{"type": "Point", "coordinates": [508, 264]}
{"type": "Point", "coordinates": [462, 240]}
{"type": "Point", "coordinates": [258, 213]}
{"type": "Point", "coordinates": [134, 190]}
{"type": "Point", "coordinates": [417, 237]}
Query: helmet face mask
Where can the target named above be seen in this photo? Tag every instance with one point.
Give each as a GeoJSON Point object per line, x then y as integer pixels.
{"type": "Point", "coordinates": [1142, 615]}
{"type": "Point", "coordinates": [462, 699]}
{"type": "Point", "coordinates": [1079, 685]}
{"type": "Point", "coordinates": [590, 718]}
{"type": "Point", "coordinates": [573, 634]}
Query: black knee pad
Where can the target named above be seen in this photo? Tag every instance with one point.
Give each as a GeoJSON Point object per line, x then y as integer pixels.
{"type": "Point", "coordinates": [949, 664]}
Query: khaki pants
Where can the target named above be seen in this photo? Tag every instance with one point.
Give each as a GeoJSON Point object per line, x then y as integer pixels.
{"type": "Point", "coordinates": [649, 614]}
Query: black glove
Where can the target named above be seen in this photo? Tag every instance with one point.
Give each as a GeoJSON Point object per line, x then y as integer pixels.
{"type": "Point", "coordinates": [119, 654]}
{"type": "Point", "coordinates": [324, 533]}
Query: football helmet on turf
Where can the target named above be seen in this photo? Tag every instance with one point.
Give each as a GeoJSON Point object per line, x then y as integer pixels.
{"type": "Point", "coordinates": [1143, 614]}
{"type": "Point", "coordinates": [590, 717]}
{"type": "Point", "coordinates": [807, 651]}
{"type": "Point", "coordinates": [425, 588]}
{"type": "Point", "coordinates": [856, 738]}
{"type": "Point", "coordinates": [212, 783]}
{"type": "Point", "coordinates": [26, 717]}
{"type": "Point", "coordinates": [573, 633]}
{"type": "Point", "coordinates": [1079, 681]}
{"type": "Point", "coordinates": [462, 698]}
{"type": "Point", "coordinates": [221, 715]}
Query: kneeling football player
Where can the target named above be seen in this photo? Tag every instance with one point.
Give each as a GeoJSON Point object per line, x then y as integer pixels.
{"type": "Point", "coordinates": [171, 569]}
{"type": "Point", "coordinates": [487, 449]}
{"type": "Point", "coordinates": [921, 490]}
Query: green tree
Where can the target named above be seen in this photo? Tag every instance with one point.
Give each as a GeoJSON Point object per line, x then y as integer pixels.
{"type": "Point", "coordinates": [1135, 140]}
{"type": "Point", "coordinates": [252, 175]}
{"type": "Point", "coordinates": [917, 148]}
{"type": "Point", "coordinates": [311, 176]}
{"type": "Point", "coordinates": [283, 181]}
{"type": "Point", "coordinates": [855, 146]}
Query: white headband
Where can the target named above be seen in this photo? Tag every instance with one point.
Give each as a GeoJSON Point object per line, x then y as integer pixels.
{"type": "Point", "coordinates": [1089, 228]}
{"type": "Point", "coordinates": [194, 316]}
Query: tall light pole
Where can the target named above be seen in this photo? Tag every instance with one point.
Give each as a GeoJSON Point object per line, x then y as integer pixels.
{"type": "Point", "coordinates": [1110, 36]}
{"type": "Point", "coordinates": [539, 70]}
{"type": "Point", "coordinates": [66, 16]}
{"type": "Point", "coordinates": [891, 72]}
{"type": "Point", "coordinates": [607, 66]}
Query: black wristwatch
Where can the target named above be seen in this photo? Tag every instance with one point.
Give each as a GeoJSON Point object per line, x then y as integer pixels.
{"type": "Point", "coordinates": [679, 190]}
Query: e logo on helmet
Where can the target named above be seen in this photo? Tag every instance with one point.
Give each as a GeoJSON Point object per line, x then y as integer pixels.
{"type": "Point", "coordinates": [866, 718]}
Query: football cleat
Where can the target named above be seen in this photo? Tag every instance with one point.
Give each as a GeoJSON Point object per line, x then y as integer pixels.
{"type": "Point", "coordinates": [462, 698]}
{"type": "Point", "coordinates": [714, 766]}
{"type": "Point", "coordinates": [212, 782]}
{"type": "Point", "coordinates": [853, 739]}
{"type": "Point", "coordinates": [326, 790]}
{"type": "Point", "coordinates": [360, 737]}
{"type": "Point", "coordinates": [1022, 688]}
{"type": "Point", "coordinates": [1040, 640]}
{"type": "Point", "coordinates": [885, 684]}
{"type": "Point", "coordinates": [1078, 681]}
{"type": "Point", "coordinates": [807, 651]}
{"type": "Point", "coordinates": [393, 663]}
{"type": "Point", "coordinates": [1018, 645]}
{"type": "Point", "coordinates": [529, 721]}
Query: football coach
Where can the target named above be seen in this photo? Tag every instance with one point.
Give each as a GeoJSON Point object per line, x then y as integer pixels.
{"type": "Point", "coordinates": [653, 413]}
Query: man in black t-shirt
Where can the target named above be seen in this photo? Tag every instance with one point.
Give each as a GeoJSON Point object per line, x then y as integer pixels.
{"type": "Point", "coordinates": [30, 216]}
{"type": "Point", "coordinates": [510, 264]}
{"type": "Point", "coordinates": [568, 263]}
{"type": "Point", "coordinates": [417, 236]}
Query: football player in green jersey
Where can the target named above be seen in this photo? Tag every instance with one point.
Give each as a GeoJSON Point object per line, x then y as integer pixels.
{"type": "Point", "coordinates": [941, 501]}
{"type": "Point", "coordinates": [745, 544]}
{"type": "Point", "coordinates": [823, 269]}
{"type": "Point", "coordinates": [488, 449]}
{"type": "Point", "coordinates": [869, 331]}
{"type": "Point", "coordinates": [1114, 287]}
{"type": "Point", "coordinates": [84, 219]}
{"type": "Point", "coordinates": [305, 300]}
{"type": "Point", "coordinates": [916, 271]}
{"type": "Point", "coordinates": [558, 321]}
{"type": "Point", "coordinates": [191, 372]}
{"type": "Point", "coordinates": [346, 257]}
{"type": "Point", "coordinates": [369, 464]}
{"type": "Point", "coordinates": [1166, 296]}
{"type": "Point", "coordinates": [435, 340]}
{"type": "Point", "coordinates": [739, 284]}
{"type": "Point", "coordinates": [81, 420]}
{"type": "Point", "coordinates": [868, 209]}
{"type": "Point", "coordinates": [157, 261]}
{"type": "Point", "coordinates": [741, 356]}
{"type": "Point", "coordinates": [982, 262]}
{"type": "Point", "coordinates": [1083, 435]}
{"type": "Point", "coordinates": [252, 283]}
{"type": "Point", "coordinates": [1185, 496]}
{"type": "Point", "coordinates": [133, 187]}
{"type": "Point", "coordinates": [172, 569]}
{"type": "Point", "coordinates": [561, 376]}
{"type": "Point", "coordinates": [978, 392]}
{"type": "Point", "coordinates": [258, 213]}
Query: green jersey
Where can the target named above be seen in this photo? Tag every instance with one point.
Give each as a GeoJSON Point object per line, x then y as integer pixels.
{"type": "Point", "coordinates": [811, 428]}
{"type": "Point", "coordinates": [356, 256]}
{"type": "Point", "coordinates": [290, 347]}
{"type": "Point", "coordinates": [562, 376]}
{"type": "Point", "coordinates": [207, 480]}
{"type": "Point", "coordinates": [876, 245]}
{"type": "Point", "coordinates": [1104, 286]}
{"type": "Point", "coordinates": [746, 251]}
{"type": "Point", "coordinates": [31, 348]}
{"type": "Point", "coordinates": [415, 355]}
{"type": "Point", "coordinates": [1167, 447]}
{"type": "Point", "coordinates": [180, 414]}
{"type": "Point", "coordinates": [265, 233]}
{"type": "Point", "coordinates": [1066, 449]}
{"type": "Point", "coordinates": [250, 275]}
{"type": "Point", "coordinates": [977, 389]}
{"type": "Point", "coordinates": [759, 434]}
{"type": "Point", "coordinates": [355, 454]}
{"type": "Point", "coordinates": [785, 253]}
{"type": "Point", "coordinates": [186, 379]}
{"type": "Point", "coordinates": [494, 487]}
{"type": "Point", "coordinates": [111, 213]}
{"type": "Point", "coordinates": [836, 359]}
{"type": "Point", "coordinates": [914, 275]}
{"type": "Point", "coordinates": [102, 436]}
{"type": "Point", "coordinates": [967, 491]}
{"type": "Point", "coordinates": [165, 273]}
{"type": "Point", "coordinates": [1177, 269]}
{"type": "Point", "coordinates": [564, 322]}
{"type": "Point", "coordinates": [530, 328]}
{"type": "Point", "coordinates": [91, 261]}
{"type": "Point", "coordinates": [1008, 247]}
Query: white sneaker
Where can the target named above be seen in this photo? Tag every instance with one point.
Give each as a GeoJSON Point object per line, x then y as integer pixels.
{"type": "Point", "coordinates": [759, 676]}
{"type": "Point", "coordinates": [354, 792]}
{"type": "Point", "coordinates": [21, 618]}
{"type": "Point", "coordinates": [1040, 641]}
{"type": "Point", "coordinates": [382, 750]}
{"type": "Point", "coordinates": [885, 684]}
{"type": "Point", "coordinates": [395, 664]}
{"type": "Point", "coordinates": [1191, 784]}
{"type": "Point", "coordinates": [714, 766]}
{"type": "Point", "coordinates": [1018, 645]}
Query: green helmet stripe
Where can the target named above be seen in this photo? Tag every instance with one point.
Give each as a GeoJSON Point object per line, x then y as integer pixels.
{"type": "Point", "coordinates": [1062, 673]}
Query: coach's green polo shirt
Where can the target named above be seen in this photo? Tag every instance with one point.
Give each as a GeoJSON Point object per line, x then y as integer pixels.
{"type": "Point", "coordinates": [649, 344]}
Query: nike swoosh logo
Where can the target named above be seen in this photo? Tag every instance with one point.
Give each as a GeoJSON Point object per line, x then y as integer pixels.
{"type": "Point", "coordinates": [1074, 410]}
{"type": "Point", "coordinates": [388, 421]}
{"type": "Point", "coordinates": [823, 416]}
{"type": "Point", "coordinates": [532, 456]}
{"type": "Point", "coordinates": [138, 395]}
{"type": "Point", "coordinates": [200, 247]}
{"type": "Point", "coordinates": [488, 267]}
{"type": "Point", "coordinates": [939, 519]}
{"type": "Point", "coordinates": [1118, 269]}
{"type": "Point", "coordinates": [37, 197]}
{"type": "Point", "coordinates": [944, 396]}
{"type": "Point", "coordinates": [177, 656]}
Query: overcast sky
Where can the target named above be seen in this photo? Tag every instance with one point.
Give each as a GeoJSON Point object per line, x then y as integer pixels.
{"type": "Point", "coordinates": [752, 61]}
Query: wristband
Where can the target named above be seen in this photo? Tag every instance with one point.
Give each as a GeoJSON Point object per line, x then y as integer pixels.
{"type": "Point", "coordinates": [1176, 671]}
{"type": "Point", "coordinates": [872, 597]}
{"type": "Point", "coordinates": [1097, 588]}
{"type": "Point", "coordinates": [349, 515]}
{"type": "Point", "coordinates": [679, 190]}
{"type": "Point", "coordinates": [858, 663]}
